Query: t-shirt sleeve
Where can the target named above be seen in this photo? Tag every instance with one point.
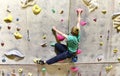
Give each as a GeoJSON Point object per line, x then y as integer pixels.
{"type": "Point", "coordinates": [69, 37]}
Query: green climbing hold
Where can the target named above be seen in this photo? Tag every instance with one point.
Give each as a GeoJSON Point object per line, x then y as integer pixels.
{"type": "Point", "coordinates": [52, 43]}
{"type": "Point", "coordinates": [43, 69]}
{"type": "Point", "coordinates": [53, 10]}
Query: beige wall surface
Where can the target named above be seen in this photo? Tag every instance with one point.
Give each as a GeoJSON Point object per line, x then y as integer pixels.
{"type": "Point", "coordinates": [34, 27]}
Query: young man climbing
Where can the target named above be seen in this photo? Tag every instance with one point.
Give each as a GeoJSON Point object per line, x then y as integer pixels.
{"type": "Point", "coordinates": [69, 50]}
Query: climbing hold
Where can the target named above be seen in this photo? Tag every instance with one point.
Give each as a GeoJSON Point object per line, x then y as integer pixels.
{"type": "Point", "coordinates": [74, 59]}
{"type": "Point", "coordinates": [8, 19]}
{"type": "Point", "coordinates": [44, 44]}
{"type": "Point", "coordinates": [62, 20]}
{"type": "Point", "coordinates": [60, 37]}
{"type": "Point", "coordinates": [118, 28]}
{"type": "Point", "coordinates": [3, 60]}
{"type": "Point", "coordinates": [20, 70]}
{"type": "Point", "coordinates": [95, 19]}
{"type": "Point", "coordinates": [18, 29]}
{"type": "Point", "coordinates": [100, 36]}
{"type": "Point", "coordinates": [74, 69]}
{"type": "Point", "coordinates": [108, 68]}
{"type": "Point", "coordinates": [0, 27]}
{"type": "Point", "coordinates": [61, 12]}
{"type": "Point", "coordinates": [52, 43]}
{"type": "Point", "coordinates": [53, 10]}
{"type": "Point", "coordinates": [92, 5]}
{"type": "Point", "coordinates": [2, 44]}
{"type": "Point", "coordinates": [43, 69]}
{"type": "Point", "coordinates": [9, 27]}
{"type": "Point", "coordinates": [119, 59]}
{"type": "Point", "coordinates": [35, 60]}
{"type": "Point", "coordinates": [26, 3]}
{"type": "Point", "coordinates": [101, 43]}
{"type": "Point", "coordinates": [78, 51]}
{"type": "Point", "coordinates": [36, 9]}
{"type": "Point", "coordinates": [115, 50]}
{"type": "Point", "coordinates": [17, 35]}
{"type": "Point", "coordinates": [83, 23]}
{"type": "Point", "coordinates": [14, 55]}
{"type": "Point", "coordinates": [17, 19]}
{"type": "Point", "coordinates": [44, 36]}
{"type": "Point", "coordinates": [104, 11]}
{"type": "Point", "coordinates": [30, 74]}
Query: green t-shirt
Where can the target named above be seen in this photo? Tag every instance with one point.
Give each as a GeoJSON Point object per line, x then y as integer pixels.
{"type": "Point", "coordinates": [72, 42]}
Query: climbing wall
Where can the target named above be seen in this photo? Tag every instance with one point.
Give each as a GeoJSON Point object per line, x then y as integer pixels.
{"type": "Point", "coordinates": [26, 35]}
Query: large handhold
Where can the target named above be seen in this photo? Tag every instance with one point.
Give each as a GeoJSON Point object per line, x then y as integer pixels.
{"type": "Point", "coordinates": [26, 3]}
{"type": "Point", "coordinates": [116, 21]}
{"type": "Point", "coordinates": [14, 54]}
{"type": "Point", "coordinates": [91, 4]}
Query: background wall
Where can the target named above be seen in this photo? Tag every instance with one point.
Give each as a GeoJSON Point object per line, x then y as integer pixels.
{"type": "Point", "coordinates": [35, 27]}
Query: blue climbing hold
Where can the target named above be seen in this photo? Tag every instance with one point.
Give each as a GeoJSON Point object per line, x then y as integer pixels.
{"type": "Point", "coordinates": [74, 59]}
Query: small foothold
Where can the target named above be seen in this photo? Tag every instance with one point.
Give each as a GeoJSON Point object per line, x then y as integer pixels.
{"type": "Point", "coordinates": [53, 10]}
{"type": "Point", "coordinates": [36, 9]}
{"type": "Point", "coordinates": [62, 20]}
{"type": "Point", "coordinates": [20, 70]}
{"type": "Point", "coordinates": [95, 19]}
{"type": "Point", "coordinates": [44, 36]}
{"type": "Point", "coordinates": [3, 60]}
{"type": "Point", "coordinates": [101, 43]}
{"type": "Point", "coordinates": [44, 44]}
{"type": "Point", "coordinates": [59, 68]}
{"type": "Point", "coordinates": [99, 59]}
{"type": "Point", "coordinates": [18, 29]}
{"type": "Point", "coordinates": [9, 27]}
{"type": "Point", "coordinates": [60, 37]}
{"type": "Point", "coordinates": [17, 19]}
{"type": "Point", "coordinates": [74, 69]}
{"type": "Point", "coordinates": [115, 50]}
{"type": "Point", "coordinates": [100, 36]}
{"type": "Point", "coordinates": [61, 12]}
{"type": "Point", "coordinates": [29, 74]}
{"type": "Point", "coordinates": [0, 27]}
{"type": "Point", "coordinates": [104, 11]}
{"type": "Point", "coordinates": [74, 59]}
{"type": "Point", "coordinates": [52, 43]}
{"type": "Point", "coordinates": [2, 44]}
{"type": "Point", "coordinates": [83, 23]}
{"type": "Point", "coordinates": [43, 69]}
{"type": "Point", "coordinates": [119, 59]}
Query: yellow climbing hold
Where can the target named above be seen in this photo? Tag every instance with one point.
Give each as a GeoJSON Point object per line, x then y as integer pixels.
{"type": "Point", "coordinates": [20, 70]}
{"type": "Point", "coordinates": [118, 28]}
{"type": "Point", "coordinates": [115, 50]}
{"type": "Point", "coordinates": [108, 68]}
{"type": "Point", "coordinates": [29, 74]}
{"type": "Point", "coordinates": [36, 59]}
{"type": "Point", "coordinates": [36, 9]}
{"type": "Point", "coordinates": [104, 11]}
{"type": "Point", "coordinates": [119, 59]}
{"type": "Point", "coordinates": [9, 18]}
{"type": "Point", "coordinates": [18, 35]}
{"type": "Point", "coordinates": [101, 43]}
